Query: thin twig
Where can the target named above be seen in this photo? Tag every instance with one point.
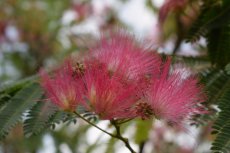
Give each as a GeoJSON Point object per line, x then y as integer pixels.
{"type": "Point", "coordinates": [118, 132]}
{"type": "Point", "coordinates": [94, 125]}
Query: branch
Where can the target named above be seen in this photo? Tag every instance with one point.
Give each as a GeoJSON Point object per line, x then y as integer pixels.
{"type": "Point", "coordinates": [119, 136]}
{"type": "Point", "coordinates": [118, 132]}
{"type": "Point", "coordinates": [94, 125]}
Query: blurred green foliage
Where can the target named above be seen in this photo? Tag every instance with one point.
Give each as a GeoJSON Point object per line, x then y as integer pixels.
{"type": "Point", "coordinates": [37, 42]}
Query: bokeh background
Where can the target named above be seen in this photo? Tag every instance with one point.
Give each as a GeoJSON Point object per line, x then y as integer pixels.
{"type": "Point", "coordinates": [41, 33]}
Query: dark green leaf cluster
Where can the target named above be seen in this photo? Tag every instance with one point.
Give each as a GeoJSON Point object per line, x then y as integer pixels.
{"type": "Point", "coordinates": [213, 23]}
{"type": "Point", "coordinates": [212, 15]}
{"type": "Point", "coordinates": [218, 88]}
{"type": "Point", "coordinates": [24, 102]}
{"type": "Point", "coordinates": [11, 112]}
{"type": "Point", "coordinates": [222, 124]}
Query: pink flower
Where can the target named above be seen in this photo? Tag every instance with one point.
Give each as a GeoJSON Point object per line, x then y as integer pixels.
{"type": "Point", "coordinates": [82, 10]}
{"type": "Point", "coordinates": [107, 96]}
{"type": "Point", "coordinates": [62, 89]}
{"type": "Point", "coordinates": [174, 97]}
{"type": "Point", "coordinates": [121, 80]}
{"type": "Point", "coordinates": [124, 58]}
{"type": "Point", "coordinates": [171, 5]}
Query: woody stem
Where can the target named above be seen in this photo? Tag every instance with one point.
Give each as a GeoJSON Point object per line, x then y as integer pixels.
{"type": "Point", "coordinates": [117, 127]}
{"type": "Point", "coordinates": [119, 136]}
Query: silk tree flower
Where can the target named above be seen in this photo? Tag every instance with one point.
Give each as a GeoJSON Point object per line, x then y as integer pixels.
{"type": "Point", "coordinates": [174, 97]}
{"type": "Point", "coordinates": [106, 95]}
{"type": "Point", "coordinates": [124, 58]}
{"type": "Point", "coordinates": [62, 89]}
{"type": "Point", "coordinates": [82, 10]}
{"type": "Point", "coordinates": [186, 11]}
{"type": "Point", "coordinates": [171, 5]}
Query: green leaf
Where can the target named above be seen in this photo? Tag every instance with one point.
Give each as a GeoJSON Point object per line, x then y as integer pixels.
{"type": "Point", "coordinates": [219, 45]}
{"type": "Point", "coordinates": [221, 126]}
{"type": "Point", "coordinates": [217, 85]}
{"type": "Point", "coordinates": [224, 115]}
{"type": "Point", "coordinates": [214, 13]}
{"type": "Point", "coordinates": [22, 101]}
{"type": "Point", "coordinates": [7, 91]}
{"type": "Point", "coordinates": [57, 118]}
{"type": "Point", "coordinates": [4, 98]}
{"type": "Point", "coordinates": [38, 117]}
{"type": "Point", "coordinates": [15, 86]}
{"type": "Point", "coordinates": [216, 82]}
{"type": "Point", "coordinates": [142, 130]}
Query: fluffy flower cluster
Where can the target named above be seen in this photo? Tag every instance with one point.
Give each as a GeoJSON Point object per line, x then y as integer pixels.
{"type": "Point", "coordinates": [120, 80]}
